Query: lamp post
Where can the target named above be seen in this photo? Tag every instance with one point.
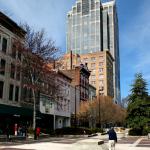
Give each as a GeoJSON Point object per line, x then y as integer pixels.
{"type": "Point", "coordinates": [99, 110]}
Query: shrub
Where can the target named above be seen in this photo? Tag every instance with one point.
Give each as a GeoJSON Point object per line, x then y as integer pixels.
{"type": "Point", "coordinates": [138, 131]}
{"type": "Point", "coordinates": [46, 131]}
{"type": "Point", "coordinates": [72, 131]}
{"type": "Point", "coordinates": [95, 130]}
{"type": "Point", "coordinates": [146, 130]}
{"type": "Point", "coordinates": [135, 132]}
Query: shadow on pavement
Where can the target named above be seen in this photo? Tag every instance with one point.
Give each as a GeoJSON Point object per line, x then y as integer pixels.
{"type": "Point", "coordinates": [14, 149]}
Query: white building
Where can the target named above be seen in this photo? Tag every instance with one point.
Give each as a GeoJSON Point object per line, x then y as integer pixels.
{"type": "Point", "coordinates": [60, 106]}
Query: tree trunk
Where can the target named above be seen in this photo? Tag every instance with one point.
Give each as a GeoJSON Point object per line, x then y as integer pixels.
{"type": "Point", "coordinates": [34, 110]}
{"type": "Point", "coordinates": [34, 114]}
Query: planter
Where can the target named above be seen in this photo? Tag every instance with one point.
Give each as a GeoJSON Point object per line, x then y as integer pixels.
{"type": "Point", "coordinates": [75, 136]}
{"type": "Point", "coordinates": [120, 135]}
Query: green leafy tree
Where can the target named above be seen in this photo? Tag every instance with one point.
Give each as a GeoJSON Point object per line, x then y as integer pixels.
{"type": "Point", "coordinates": [138, 110]}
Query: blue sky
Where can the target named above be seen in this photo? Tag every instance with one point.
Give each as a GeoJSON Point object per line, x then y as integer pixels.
{"type": "Point", "coordinates": [134, 28]}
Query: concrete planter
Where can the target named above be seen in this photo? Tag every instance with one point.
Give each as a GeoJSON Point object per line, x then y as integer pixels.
{"type": "Point", "coordinates": [120, 135]}
{"type": "Point", "coordinates": [30, 136]}
{"type": "Point", "coordinates": [148, 135]}
{"type": "Point", "coordinates": [75, 136]}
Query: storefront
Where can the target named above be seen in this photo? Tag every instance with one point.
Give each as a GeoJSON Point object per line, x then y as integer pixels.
{"type": "Point", "coordinates": [11, 115]}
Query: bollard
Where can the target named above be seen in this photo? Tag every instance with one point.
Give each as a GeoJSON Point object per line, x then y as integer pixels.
{"type": "Point", "coordinates": [100, 142]}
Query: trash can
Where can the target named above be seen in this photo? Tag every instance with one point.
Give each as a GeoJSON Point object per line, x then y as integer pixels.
{"type": "Point", "coordinates": [148, 135]}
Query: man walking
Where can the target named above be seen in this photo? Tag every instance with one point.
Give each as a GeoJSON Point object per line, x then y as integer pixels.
{"type": "Point", "coordinates": [112, 139]}
{"type": "Point", "coordinates": [7, 133]}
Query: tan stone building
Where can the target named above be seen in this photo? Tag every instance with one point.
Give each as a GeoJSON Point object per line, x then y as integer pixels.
{"type": "Point", "coordinates": [101, 66]}
{"type": "Point", "coordinates": [10, 59]}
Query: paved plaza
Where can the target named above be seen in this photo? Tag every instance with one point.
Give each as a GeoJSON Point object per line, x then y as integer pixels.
{"type": "Point", "coordinates": [129, 143]}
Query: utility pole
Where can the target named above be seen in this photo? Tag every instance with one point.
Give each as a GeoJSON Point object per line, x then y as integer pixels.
{"type": "Point", "coordinates": [75, 108]}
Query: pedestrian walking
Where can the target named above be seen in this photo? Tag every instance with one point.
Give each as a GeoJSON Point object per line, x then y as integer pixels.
{"type": "Point", "coordinates": [7, 133]}
{"type": "Point", "coordinates": [112, 138]}
{"type": "Point", "coordinates": [16, 129]}
{"type": "Point", "coordinates": [20, 131]}
{"type": "Point", "coordinates": [38, 130]}
{"type": "Point", "coordinates": [23, 131]}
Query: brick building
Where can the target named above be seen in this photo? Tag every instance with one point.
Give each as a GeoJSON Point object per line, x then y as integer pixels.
{"type": "Point", "coordinates": [100, 65]}
{"type": "Point", "coordinates": [80, 78]}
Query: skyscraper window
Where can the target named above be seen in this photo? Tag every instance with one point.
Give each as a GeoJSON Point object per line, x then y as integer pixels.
{"type": "Point", "coordinates": [85, 7]}
{"type": "Point", "coordinates": [78, 7]}
{"type": "Point", "coordinates": [92, 4]}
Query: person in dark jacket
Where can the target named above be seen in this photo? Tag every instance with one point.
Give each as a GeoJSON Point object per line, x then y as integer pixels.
{"type": "Point", "coordinates": [8, 133]}
{"type": "Point", "coordinates": [112, 139]}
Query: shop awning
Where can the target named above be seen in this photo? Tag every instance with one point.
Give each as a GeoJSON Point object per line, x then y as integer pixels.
{"type": "Point", "coordinates": [14, 110]}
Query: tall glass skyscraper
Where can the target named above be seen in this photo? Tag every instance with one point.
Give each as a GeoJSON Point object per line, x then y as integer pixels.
{"type": "Point", "coordinates": [92, 26]}
{"type": "Point", "coordinates": [84, 34]}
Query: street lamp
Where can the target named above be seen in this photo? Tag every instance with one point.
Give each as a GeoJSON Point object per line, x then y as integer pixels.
{"type": "Point", "coordinates": [99, 108]}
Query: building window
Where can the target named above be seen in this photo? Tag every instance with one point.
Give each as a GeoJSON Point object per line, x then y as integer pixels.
{"type": "Point", "coordinates": [101, 82]}
{"type": "Point", "coordinates": [93, 59]}
{"type": "Point", "coordinates": [101, 76]}
{"type": "Point", "coordinates": [100, 70]}
{"type": "Point", "coordinates": [24, 93]}
{"type": "Point", "coordinates": [101, 58]}
{"type": "Point", "coordinates": [102, 94]}
{"type": "Point", "coordinates": [18, 73]}
{"type": "Point", "coordinates": [101, 64]}
{"type": "Point", "coordinates": [4, 45]}
{"type": "Point", "coordinates": [110, 9]}
{"type": "Point", "coordinates": [93, 65]}
{"type": "Point", "coordinates": [85, 60]}
{"type": "Point", "coordinates": [2, 67]}
{"type": "Point", "coordinates": [1, 89]}
{"type": "Point", "coordinates": [19, 55]}
{"type": "Point", "coordinates": [14, 51]}
{"type": "Point", "coordinates": [17, 93]}
{"type": "Point", "coordinates": [51, 105]}
{"type": "Point", "coordinates": [68, 105]}
{"type": "Point", "coordinates": [93, 83]}
{"type": "Point", "coordinates": [11, 88]}
{"type": "Point", "coordinates": [85, 7]}
{"type": "Point", "coordinates": [78, 7]}
{"type": "Point", "coordinates": [93, 77]}
{"type": "Point", "coordinates": [93, 71]}
{"type": "Point", "coordinates": [12, 73]}
{"type": "Point", "coordinates": [92, 4]}
{"type": "Point", "coordinates": [44, 103]}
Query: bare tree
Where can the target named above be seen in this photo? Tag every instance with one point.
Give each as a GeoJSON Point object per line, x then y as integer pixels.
{"type": "Point", "coordinates": [38, 53]}
{"type": "Point", "coordinates": [103, 111]}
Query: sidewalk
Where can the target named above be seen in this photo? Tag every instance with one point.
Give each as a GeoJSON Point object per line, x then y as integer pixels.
{"type": "Point", "coordinates": [91, 143]}
{"type": "Point", "coordinates": [40, 140]}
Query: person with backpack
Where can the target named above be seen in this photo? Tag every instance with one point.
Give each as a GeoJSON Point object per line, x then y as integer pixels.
{"type": "Point", "coordinates": [112, 138]}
